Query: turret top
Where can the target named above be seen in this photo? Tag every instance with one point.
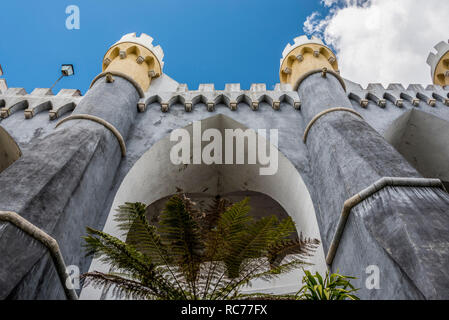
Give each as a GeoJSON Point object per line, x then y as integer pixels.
{"type": "Point", "coordinates": [145, 41]}
{"type": "Point", "coordinates": [136, 58]}
{"type": "Point", "coordinates": [305, 57]}
{"type": "Point", "coordinates": [439, 64]}
{"type": "Point", "coordinates": [299, 41]}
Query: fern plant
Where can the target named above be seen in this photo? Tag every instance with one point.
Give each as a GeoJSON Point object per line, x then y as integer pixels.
{"type": "Point", "coordinates": [332, 287]}
{"type": "Point", "coordinates": [193, 253]}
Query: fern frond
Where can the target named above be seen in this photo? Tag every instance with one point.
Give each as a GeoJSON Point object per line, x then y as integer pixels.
{"type": "Point", "coordinates": [140, 233]}
{"type": "Point", "coordinates": [248, 244]}
{"type": "Point", "coordinates": [302, 247]}
{"type": "Point", "coordinates": [180, 233]}
{"type": "Point", "coordinates": [194, 253]}
{"type": "Point", "coordinates": [123, 256]}
{"type": "Point", "coordinates": [124, 287]}
{"type": "Point", "coordinates": [213, 213]}
{"type": "Point", "coordinates": [117, 253]}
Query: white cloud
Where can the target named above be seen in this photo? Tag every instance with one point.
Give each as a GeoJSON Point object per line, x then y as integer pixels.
{"type": "Point", "coordinates": [383, 40]}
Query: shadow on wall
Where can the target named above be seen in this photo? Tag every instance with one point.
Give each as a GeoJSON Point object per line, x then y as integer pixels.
{"type": "Point", "coordinates": [261, 204]}
{"type": "Point", "coordinates": [9, 150]}
{"type": "Point", "coordinates": [423, 140]}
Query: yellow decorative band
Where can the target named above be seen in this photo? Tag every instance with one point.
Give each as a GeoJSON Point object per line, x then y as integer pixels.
{"type": "Point", "coordinates": [103, 122]}
{"type": "Point", "coordinates": [309, 73]}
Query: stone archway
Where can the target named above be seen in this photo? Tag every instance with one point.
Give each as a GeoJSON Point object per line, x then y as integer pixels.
{"type": "Point", "coordinates": [154, 178]}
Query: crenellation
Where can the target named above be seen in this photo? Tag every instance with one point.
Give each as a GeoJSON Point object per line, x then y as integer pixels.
{"type": "Point", "coordinates": [3, 86]}
{"type": "Point", "coordinates": [395, 87]}
{"type": "Point", "coordinates": [182, 88]}
{"type": "Point", "coordinates": [283, 87]}
{"type": "Point", "coordinates": [258, 87]}
{"type": "Point", "coordinates": [64, 102]}
{"type": "Point", "coordinates": [415, 87]}
{"type": "Point", "coordinates": [231, 96]}
{"type": "Point", "coordinates": [206, 87]}
{"type": "Point", "coordinates": [232, 87]}
{"type": "Point", "coordinates": [13, 101]}
{"type": "Point", "coordinates": [375, 87]}
{"type": "Point", "coordinates": [38, 101]}
{"type": "Point", "coordinates": [42, 99]}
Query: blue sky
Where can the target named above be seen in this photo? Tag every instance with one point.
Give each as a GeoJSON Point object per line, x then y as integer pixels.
{"type": "Point", "coordinates": [204, 41]}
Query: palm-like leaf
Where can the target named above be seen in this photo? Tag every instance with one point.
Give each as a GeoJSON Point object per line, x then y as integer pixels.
{"type": "Point", "coordinates": [332, 287]}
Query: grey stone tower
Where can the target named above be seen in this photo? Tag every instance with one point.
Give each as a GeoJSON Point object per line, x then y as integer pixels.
{"type": "Point", "coordinates": [364, 170]}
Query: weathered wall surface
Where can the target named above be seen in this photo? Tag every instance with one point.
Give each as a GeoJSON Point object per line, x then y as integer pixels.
{"type": "Point", "coordinates": [61, 183]}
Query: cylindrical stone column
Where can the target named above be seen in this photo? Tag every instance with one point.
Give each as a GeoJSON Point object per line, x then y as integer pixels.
{"type": "Point", "coordinates": [61, 183]}
{"type": "Point", "coordinates": [346, 156]}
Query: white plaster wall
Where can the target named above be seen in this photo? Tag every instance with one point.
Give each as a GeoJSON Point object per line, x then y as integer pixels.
{"type": "Point", "coordinates": [422, 139]}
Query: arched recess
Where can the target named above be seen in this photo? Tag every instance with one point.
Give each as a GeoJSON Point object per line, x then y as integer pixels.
{"type": "Point", "coordinates": [423, 140]}
{"type": "Point", "coordinates": [153, 178]}
{"type": "Point", "coordinates": [9, 150]}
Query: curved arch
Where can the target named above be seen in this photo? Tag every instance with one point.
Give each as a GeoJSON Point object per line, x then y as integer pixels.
{"type": "Point", "coordinates": [177, 99]}
{"type": "Point", "coordinates": [154, 177]}
{"type": "Point", "coordinates": [222, 99]}
{"type": "Point", "coordinates": [199, 99]}
{"type": "Point", "coordinates": [422, 139]}
{"type": "Point", "coordinates": [133, 50]}
{"type": "Point", "coordinates": [286, 98]}
{"type": "Point", "coordinates": [245, 99]}
{"type": "Point", "coordinates": [9, 150]}
{"type": "Point", "coordinates": [153, 99]}
{"type": "Point", "coordinates": [114, 53]}
{"type": "Point", "coordinates": [307, 50]}
{"type": "Point", "coordinates": [265, 98]}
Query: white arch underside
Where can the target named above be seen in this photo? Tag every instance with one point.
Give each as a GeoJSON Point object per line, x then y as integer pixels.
{"type": "Point", "coordinates": [154, 176]}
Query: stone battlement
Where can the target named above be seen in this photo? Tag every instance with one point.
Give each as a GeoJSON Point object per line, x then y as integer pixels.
{"type": "Point", "coordinates": [43, 99]}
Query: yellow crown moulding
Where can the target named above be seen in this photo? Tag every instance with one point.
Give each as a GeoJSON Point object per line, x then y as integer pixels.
{"type": "Point", "coordinates": [441, 75]}
{"type": "Point", "coordinates": [304, 56]}
{"type": "Point", "coordinates": [439, 64]}
{"type": "Point", "coordinates": [135, 57]}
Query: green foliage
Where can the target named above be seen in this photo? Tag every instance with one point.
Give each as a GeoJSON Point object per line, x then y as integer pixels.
{"type": "Point", "coordinates": [332, 287]}
{"type": "Point", "coordinates": [194, 254]}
